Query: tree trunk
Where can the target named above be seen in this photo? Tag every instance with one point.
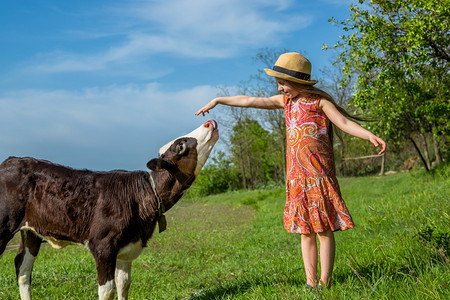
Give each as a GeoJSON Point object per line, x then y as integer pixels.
{"type": "Point", "coordinates": [437, 153]}
{"type": "Point", "coordinates": [426, 152]}
{"type": "Point", "coordinates": [383, 160]}
{"type": "Point", "coordinates": [420, 153]}
{"type": "Point", "coordinates": [248, 159]}
{"type": "Point", "coordinates": [244, 182]}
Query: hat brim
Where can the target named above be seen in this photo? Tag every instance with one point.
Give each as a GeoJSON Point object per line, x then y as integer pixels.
{"type": "Point", "coordinates": [276, 74]}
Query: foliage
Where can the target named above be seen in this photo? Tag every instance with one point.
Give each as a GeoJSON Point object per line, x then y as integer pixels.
{"type": "Point", "coordinates": [218, 176]}
{"type": "Point", "coordinates": [250, 149]}
{"type": "Point", "coordinates": [340, 86]}
{"type": "Point", "coordinates": [400, 52]}
{"type": "Point", "coordinates": [233, 246]}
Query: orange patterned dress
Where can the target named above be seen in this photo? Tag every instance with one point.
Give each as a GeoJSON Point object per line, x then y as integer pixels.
{"type": "Point", "coordinates": [313, 198]}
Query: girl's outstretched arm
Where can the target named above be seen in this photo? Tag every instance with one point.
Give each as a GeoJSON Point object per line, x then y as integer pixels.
{"type": "Point", "coordinates": [349, 126]}
{"type": "Point", "coordinates": [244, 101]}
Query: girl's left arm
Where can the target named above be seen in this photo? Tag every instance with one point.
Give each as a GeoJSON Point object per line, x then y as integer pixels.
{"type": "Point", "coordinates": [349, 126]}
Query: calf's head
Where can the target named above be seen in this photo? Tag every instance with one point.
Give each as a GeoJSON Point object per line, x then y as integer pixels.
{"type": "Point", "coordinates": [187, 155]}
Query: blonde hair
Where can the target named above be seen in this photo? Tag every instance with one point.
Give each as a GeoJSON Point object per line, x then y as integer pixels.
{"type": "Point", "coordinates": [312, 91]}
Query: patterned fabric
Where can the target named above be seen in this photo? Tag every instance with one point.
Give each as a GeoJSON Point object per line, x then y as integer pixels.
{"type": "Point", "coordinates": [313, 198]}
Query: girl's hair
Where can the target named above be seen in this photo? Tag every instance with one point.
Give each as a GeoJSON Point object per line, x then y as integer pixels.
{"type": "Point", "coordinates": [312, 91]}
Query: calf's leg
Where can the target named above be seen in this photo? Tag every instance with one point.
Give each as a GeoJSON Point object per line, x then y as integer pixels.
{"type": "Point", "coordinates": [106, 291]}
{"type": "Point", "coordinates": [24, 261]}
{"type": "Point", "coordinates": [123, 278]}
{"type": "Point", "coordinates": [106, 264]}
{"type": "Point", "coordinates": [5, 237]}
{"type": "Point", "coordinates": [9, 225]}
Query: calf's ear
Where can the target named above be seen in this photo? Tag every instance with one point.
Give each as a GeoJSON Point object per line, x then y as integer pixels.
{"type": "Point", "coordinates": [158, 165]}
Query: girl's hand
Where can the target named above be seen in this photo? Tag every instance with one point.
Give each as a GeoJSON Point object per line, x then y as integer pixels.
{"type": "Point", "coordinates": [377, 142]}
{"type": "Point", "coordinates": [206, 108]}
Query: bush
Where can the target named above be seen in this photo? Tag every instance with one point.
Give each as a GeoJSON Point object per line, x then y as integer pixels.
{"type": "Point", "coordinates": [217, 177]}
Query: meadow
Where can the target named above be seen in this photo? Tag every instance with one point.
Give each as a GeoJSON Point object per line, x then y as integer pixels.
{"type": "Point", "coordinates": [233, 246]}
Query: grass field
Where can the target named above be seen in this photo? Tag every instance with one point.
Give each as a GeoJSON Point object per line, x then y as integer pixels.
{"type": "Point", "coordinates": [233, 246]}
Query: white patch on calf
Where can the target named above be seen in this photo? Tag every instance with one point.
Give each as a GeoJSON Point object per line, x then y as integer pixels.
{"type": "Point", "coordinates": [55, 243]}
{"type": "Point", "coordinates": [106, 291]}
{"type": "Point", "coordinates": [130, 251]}
{"type": "Point", "coordinates": [123, 278]}
{"type": "Point", "coordinates": [24, 277]}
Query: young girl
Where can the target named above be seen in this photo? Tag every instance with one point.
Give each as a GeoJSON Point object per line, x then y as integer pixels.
{"type": "Point", "coordinates": [314, 206]}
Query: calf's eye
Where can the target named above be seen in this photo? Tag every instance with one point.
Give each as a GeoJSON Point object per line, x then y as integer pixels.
{"type": "Point", "coordinates": [181, 147]}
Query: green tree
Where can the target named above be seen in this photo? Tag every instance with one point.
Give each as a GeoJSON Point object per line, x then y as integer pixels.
{"type": "Point", "coordinates": [218, 176]}
{"type": "Point", "coordinates": [400, 51]}
{"type": "Point", "coordinates": [250, 152]}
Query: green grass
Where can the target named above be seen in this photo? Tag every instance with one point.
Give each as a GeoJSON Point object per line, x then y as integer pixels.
{"type": "Point", "coordinates": [233, 246]}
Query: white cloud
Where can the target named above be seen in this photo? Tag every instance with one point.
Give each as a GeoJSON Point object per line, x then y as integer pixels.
{"type": "Point", "coordinates": [222, 21]}
{"type": "Point", "coordinates": [99, 128]}
{"type": "Point", "coordinates": [197, 28]}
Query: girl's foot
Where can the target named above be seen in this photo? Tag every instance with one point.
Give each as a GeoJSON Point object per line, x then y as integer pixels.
{"type": "Point", "coordinates": [310, 289]}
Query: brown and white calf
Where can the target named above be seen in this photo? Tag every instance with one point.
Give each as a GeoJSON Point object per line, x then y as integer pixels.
{"type": "Point", "coordinates": [113, 214]}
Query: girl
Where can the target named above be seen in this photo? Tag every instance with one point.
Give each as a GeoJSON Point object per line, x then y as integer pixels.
{"type": "Point", "coordinates": [314, 206]}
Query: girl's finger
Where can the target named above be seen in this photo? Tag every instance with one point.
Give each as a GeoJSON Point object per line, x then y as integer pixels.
{"type": "Point", "coordinates": [383, 148]}
{"type": "Point", "coordinates": [201, 111]}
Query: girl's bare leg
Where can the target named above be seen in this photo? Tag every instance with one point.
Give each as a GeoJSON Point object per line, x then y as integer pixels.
{"type": "Point", "coordinates": [327, 253]}
{"type": "Point", "coordinates": [309, 254]}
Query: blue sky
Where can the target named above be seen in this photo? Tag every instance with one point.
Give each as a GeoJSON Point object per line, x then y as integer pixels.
{"type": "Point", "coordinates": [104, 84]}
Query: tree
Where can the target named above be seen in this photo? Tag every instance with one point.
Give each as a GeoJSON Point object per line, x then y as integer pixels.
{"type": "Point", "coordinates": [400, 51]}
{"type": "Point", "coordinates": [218, 176]}
{"type": "Point", "coordinates": [250, 150]}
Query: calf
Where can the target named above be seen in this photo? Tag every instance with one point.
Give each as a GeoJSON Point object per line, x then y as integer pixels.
{"type": "Point", "coordinates": [113, 214]}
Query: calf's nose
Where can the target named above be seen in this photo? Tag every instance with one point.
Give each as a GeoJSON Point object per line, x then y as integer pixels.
{"type": "Point", "coordinates": [210, 123]}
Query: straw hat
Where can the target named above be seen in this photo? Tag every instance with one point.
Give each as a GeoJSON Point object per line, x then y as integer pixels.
{"type": "Point", "coordinates": [292, 66]}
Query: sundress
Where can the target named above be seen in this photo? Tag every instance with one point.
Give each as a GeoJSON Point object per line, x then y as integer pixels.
{"type": "Point", "coordinates": [313, 197]}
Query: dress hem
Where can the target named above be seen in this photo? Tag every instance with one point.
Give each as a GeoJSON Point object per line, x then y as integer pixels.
{"type": "Point", "coordinates": [339, 229]}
